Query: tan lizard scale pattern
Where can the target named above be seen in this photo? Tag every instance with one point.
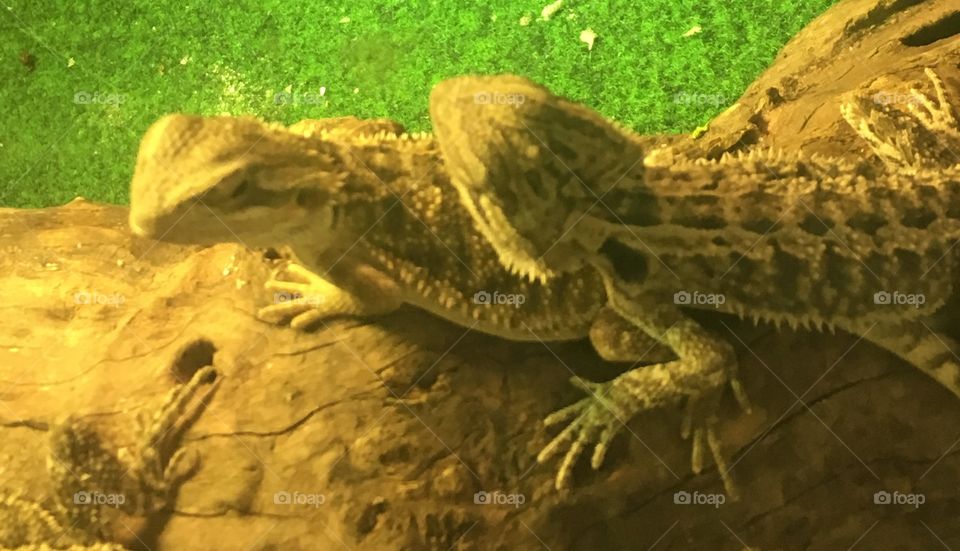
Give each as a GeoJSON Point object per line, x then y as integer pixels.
{"type": "Point", "coordinates": [802, 241]}
{"type": "Point", "coordinates": [769, 235]}
{"type": "Point", "coordinates": [407, 222]}
{"type": "Point", "coordinates": [527, 200]}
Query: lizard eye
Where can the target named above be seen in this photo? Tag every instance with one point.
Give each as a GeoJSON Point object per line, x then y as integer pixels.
{"type": "Point", "coordinates": [306, 199]}
{"type": "Point", "coordinates": [240, 189]}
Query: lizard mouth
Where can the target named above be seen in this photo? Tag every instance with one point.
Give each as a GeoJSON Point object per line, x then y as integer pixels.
{"type": "Point", "coordinates": [516, 253]}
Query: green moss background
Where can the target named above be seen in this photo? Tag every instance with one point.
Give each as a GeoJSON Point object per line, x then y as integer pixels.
{"type": "Point", "coordinates": [102, 73]}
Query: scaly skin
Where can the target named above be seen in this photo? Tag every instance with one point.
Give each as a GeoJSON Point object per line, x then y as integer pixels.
{"type": "Point", "coordinates": [373, 219]}
{"type": "Point", "coordinates": [79, 465]}
{"type": "Point", "coordinates": [354, 207]}
{"type": "Point", "coordinates": [372, 214]}
{"type": "Point", "coordinates": [780, 238]}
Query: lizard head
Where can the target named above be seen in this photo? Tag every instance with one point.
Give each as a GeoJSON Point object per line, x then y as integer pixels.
{"type": "Point", "coordinates": [205, 180]}
{"type": "Point", "coordinates": [527, 165]}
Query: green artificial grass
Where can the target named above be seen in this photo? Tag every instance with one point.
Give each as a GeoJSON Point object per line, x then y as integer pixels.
{"type": "Point", "coordinates": [71, 125]}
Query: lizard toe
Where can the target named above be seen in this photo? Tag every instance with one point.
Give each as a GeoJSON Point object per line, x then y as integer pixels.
{"type": "Point", "coordinates": [595, 422]}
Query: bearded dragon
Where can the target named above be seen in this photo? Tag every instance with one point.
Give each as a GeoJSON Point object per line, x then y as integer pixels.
{"type": "Point", "coordinates": [93, 485]}
{"type": "Point", "coordinates": [813, 242]}
{"type": "Point", "coordinates": [372, 221]}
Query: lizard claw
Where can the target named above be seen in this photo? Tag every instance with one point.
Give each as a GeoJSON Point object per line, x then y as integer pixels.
{"type": "Point", "coordinates": [740, 394]}
{"type": "Point", "coordinates": [596, 420]}
{"type": "Point", "coordinates": [699, 423]}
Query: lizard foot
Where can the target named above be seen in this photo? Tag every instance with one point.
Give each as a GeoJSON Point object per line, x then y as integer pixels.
{"type": "Point", "coordinates": [936, 115]}
{"type": "Point", "coordinates": [301, 297]}
{"type": "Point", "coordinates": [157, 464]}
{"type": "Point", "coordinates": [599, 417]}
{"type": "Point", "coordinates": [596, 419]}
{"type": "Point", "coordinates": [924, 134]}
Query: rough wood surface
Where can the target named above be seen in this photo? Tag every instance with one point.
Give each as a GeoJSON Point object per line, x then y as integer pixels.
{"type": "Point", "coordinates": [398, 422]}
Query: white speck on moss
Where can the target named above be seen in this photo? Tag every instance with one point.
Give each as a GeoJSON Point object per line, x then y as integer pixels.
{"type": "Point", "coordinates": [184, 60]}
{"type": "Point", "coordinates": [525, 20]}
{"type": "Point", "coordinates": [693, 30]}
{"type": "Point", "coordinates": [588, 37]}
{"type": "Point", "coordinates": [323, 90]}
{"type": "Point", "coordinates": [234, 94]}
{"type": "Point", "coordinates": [550, 9]}
{"type": "Point", "coordinates": [232, 85]}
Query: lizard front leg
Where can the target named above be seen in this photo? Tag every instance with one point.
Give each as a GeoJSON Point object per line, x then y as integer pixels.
{"type": "Point", "coordinates": [309, 297]}
{"type": "Point", "coordinates": [156, 463]}
{"type": "Point", "coordinates": [306, 297]}
{"type": "Point", "coordinates": [616, 339]}
{"type": "Point", "coordinates": [89, 480]}
{"type": "Point", "coordinates": [703, 366]}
